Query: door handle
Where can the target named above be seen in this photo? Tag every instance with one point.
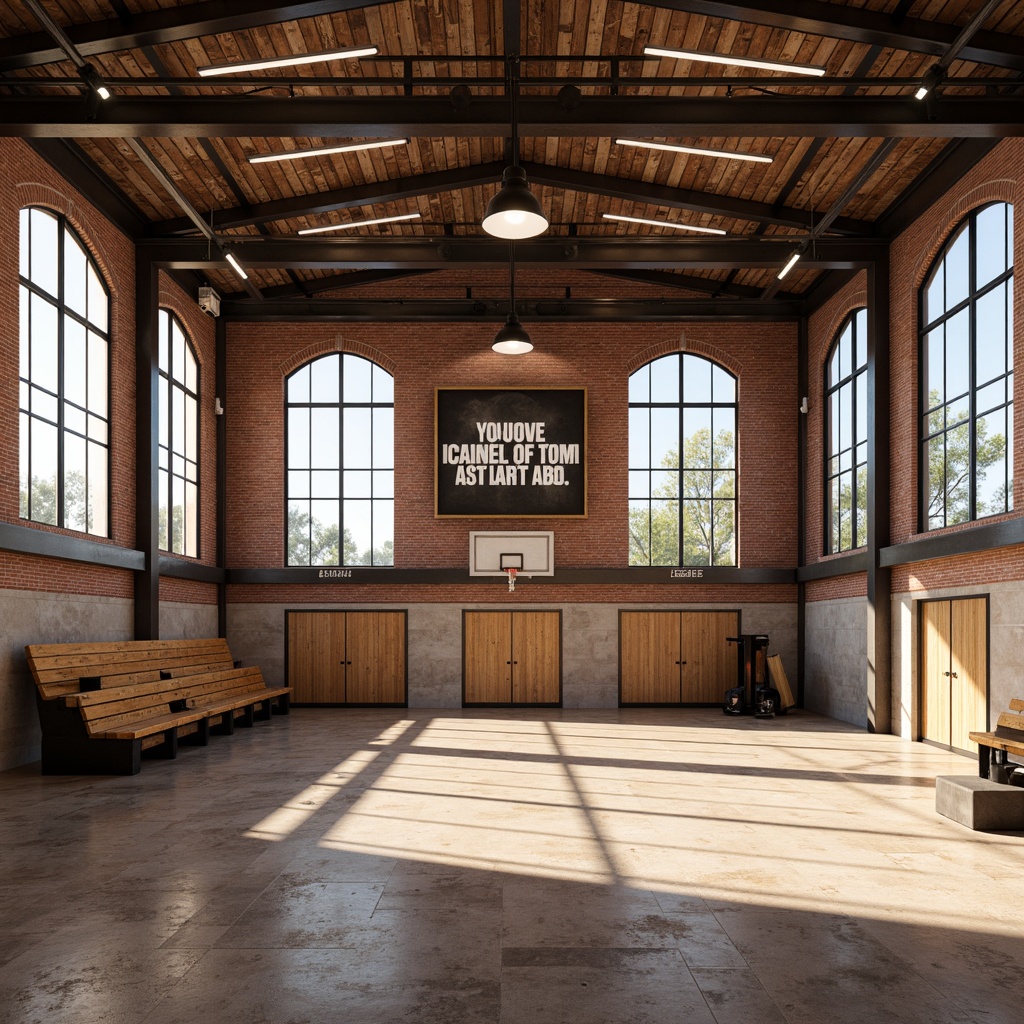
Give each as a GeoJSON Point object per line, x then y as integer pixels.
{"type": "Point", "coordinates": [954, 675]}
{"type": "Point", "coordinates": [946, 674]}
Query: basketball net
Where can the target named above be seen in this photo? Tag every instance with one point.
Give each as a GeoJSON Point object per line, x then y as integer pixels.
{"type": "Point", "coordinates": [511, 579]}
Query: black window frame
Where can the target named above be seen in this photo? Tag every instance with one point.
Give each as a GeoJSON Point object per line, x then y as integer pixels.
{"type": "Point", "coordinates": [27, 386]}
{"type": "Point", "coordinates": [925, 433]}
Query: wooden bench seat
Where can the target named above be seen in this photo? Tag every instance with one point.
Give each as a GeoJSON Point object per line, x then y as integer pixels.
{"type": "Point", "coordinates": [1008, 738]}
{"type": "Point", "coordinates": [141, 696]}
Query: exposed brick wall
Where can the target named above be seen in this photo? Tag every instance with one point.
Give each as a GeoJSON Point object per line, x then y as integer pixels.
{"type": "Point", "coordinates": [853, 584]}
{"type": "Point", "coordinates": [422, 357]}
{"type": "Point", "coordinates": [33, 572]}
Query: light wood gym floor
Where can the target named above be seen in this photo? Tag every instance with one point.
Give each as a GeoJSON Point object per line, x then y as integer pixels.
{"type": "Point", "coordinates": [526, 867]}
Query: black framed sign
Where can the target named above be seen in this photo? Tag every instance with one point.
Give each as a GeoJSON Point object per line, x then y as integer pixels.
{"type": "Point", "coordinates": [510, 452]}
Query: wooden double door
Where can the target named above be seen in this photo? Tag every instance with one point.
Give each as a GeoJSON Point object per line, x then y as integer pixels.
{"type": "Point", "coordinates": [954, 671]}
{"type": "Point", "coordinates": [676, 657]}
{"type": "Point", "coordinates": [347, 657]}
{"type": "Point", "coordinates": [512, 657]}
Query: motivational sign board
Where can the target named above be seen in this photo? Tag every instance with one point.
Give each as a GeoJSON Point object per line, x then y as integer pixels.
{"type": "Point", "coordinates": [511, 451]}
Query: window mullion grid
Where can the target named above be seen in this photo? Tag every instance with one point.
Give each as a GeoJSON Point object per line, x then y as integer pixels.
{"type": "Point", "coordinates": [61, 312]}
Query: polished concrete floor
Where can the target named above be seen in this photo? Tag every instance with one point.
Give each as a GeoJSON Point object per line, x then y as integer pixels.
{"type": "Point", "coordinates": [539, 867]}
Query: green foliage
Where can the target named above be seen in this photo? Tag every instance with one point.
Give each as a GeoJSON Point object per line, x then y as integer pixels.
{"type": "Point", "coordinates": [705, 503]}
{"type": "Point", "coordinates": [312, 543]}
{"type": "Point", "coordinates": [77, 513]}
{"type": "Point", "coordinates": [949, 469]}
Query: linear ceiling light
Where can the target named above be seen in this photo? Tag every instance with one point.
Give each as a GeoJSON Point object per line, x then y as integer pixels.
{"type": "Point", "coordinates": [671, 147]}
{"type": "Point", "coordinates": [284, 62]}
{"type": "Point", "coordinates": [733, 61]}
{"type": "Point", "coordinates": [663, 224]}
{"type": "Point", "coordinates": [301, 154]}
{"type": "Point", "coordinates": [236, 266]}
{"type": "Point", "coordinates": [358, 224]}
{"type": "Point", "coordinates": [790, 264]}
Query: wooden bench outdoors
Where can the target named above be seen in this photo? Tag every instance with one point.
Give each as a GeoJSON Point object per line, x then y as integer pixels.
{"type": "Point", "coordinates": [1008, 738]}
{"type": "Point", "coordinates": [101, 705]}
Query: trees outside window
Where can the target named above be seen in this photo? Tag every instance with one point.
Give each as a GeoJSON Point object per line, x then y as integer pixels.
{"type": "Point", "coordinates": [64, 376]}
{"type": "Point", "coordinates": [966, 345]}
{"type": "Point", "coordinates": [340, 463]}
{"type": "Point", "coordinates": [846, 436]}
{"type": "Point", "coordinates": [682, 463]}
{"type": "Point", "coordinates": [179, 439]}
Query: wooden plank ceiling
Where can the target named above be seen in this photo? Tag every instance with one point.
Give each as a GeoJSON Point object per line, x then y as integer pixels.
{"type": "Point", "coordinates": [836, 171]}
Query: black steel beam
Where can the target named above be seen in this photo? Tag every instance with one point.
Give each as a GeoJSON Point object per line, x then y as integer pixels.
{"type": "Point", "coordinates": [182, 569]}
{"type": "Point", "coordinates": [342, 198]}
{"type": "Point", "coordinates": [79, 171]}
{"type": "Point", "coordinates": [28, 540]}
{"type": "Point", "coordinates": [489, 310]}
{"type": "Point", "coordinates": [704, 285]}
{"type": "Point", "coordinates": [150, 28]}
{"type": "Point", "coordinates": [684, 580]}
{"type": "Point", "coordinates": [860, 26]}
{"type": "Point", "coordinates": [955, 160]}
{"type": "Point", "coordinates": [213, 16]}
{"type": "Point", "coordinates": [565, 252]}
{"type": "Point", "coordinates": [147, 378]}
{"type": "Point", "coordinates": [684, 199]}
{"type": "Point", "coordinates": [879, 581]}
{"type": "Point", "coordinates": [336, 282]}
{"type": "Point", "coordinates": [487, 117]}
{"type": "Point", "coordinates": [830, 568]}
{"type": "Point", "coordinates": [490, 174]}
{"type": "Point", "coordinates": [975, 538]}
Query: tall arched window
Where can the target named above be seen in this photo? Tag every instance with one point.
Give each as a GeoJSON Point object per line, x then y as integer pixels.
{"type": "Point", "coordinates": [64, 378]}
{"type": "Point", "coordinates": [682, 463]}
{"type": "Point", "coordinates": [341, 463]}
{"type": "Point", "coordinates": [179, 439]}
{"type": "Point", "coordinates": [967, 373]}
{"type": "Point", "coordinates": [846, 435]}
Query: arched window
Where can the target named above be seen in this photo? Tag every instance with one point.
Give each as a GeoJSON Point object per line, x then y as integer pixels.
{"type": "Point", "coordinates": [341, 463]}
{"type": "Point", "coordinates": [64, 378]}
{"type": "Point", "coordinates": [682, 463]}
{"type": "Point", "coordinates": [179, 439]}
{"type": "Point", "coordinates": [967, 373]}
{"type": "Point", "coordinates": [846, 435]}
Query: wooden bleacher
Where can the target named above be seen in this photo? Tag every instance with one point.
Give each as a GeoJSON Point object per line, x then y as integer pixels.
{"type": "Point", "coordinates": [101, 705]}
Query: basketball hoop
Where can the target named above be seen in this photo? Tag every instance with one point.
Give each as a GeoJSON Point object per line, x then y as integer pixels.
{"type": "Point", "coordinates": [511, 578]}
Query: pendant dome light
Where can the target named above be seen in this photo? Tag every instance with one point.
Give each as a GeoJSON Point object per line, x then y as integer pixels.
{"type": "Point", "coordinates": [512, 339]}
{"type": "Point", "coordinates": [514, 212]}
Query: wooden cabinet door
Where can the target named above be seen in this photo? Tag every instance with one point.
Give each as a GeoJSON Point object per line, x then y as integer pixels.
{"type": "Point", "coordinates": [316, 656]}
{"type": "Point", "coordinates": [968, 671]}
{"type": "Point", "coordinates": [536, 657]}
{"type": "Point", "coordinates": [487, 657]}
{"type": "Point", "coordinates": [709, 663]}
{"type": "Point", "coordinates": [649, 657]}
{"type": "Point", "coordinates": [375, 657]}
{"type": "Point", "coordinates": [935, 669]}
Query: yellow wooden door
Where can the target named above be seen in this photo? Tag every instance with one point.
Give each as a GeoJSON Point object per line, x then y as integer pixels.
{"type": "Point", "coordinates": [316, 657]}
{"type": "Point", "coordinates": [536, 657]}
{"type": "Point", "coordinates": [935, 671]}
{"type": "Point", "coordinates": [968, 671]}
{"type": "Point", "coordinates": [649, 657]}
{"type": "Point", "coordinates": [375, 657]}
{"type": "Point", "coordinates": [709, 662]}
{"type": "Point", "coordinates": [487, 657]}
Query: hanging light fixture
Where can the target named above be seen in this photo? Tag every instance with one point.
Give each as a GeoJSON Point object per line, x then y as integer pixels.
{"type": "Point", "coordinates": [512, 339]}
{"type": "Point", "coordinates": [514, 212]}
